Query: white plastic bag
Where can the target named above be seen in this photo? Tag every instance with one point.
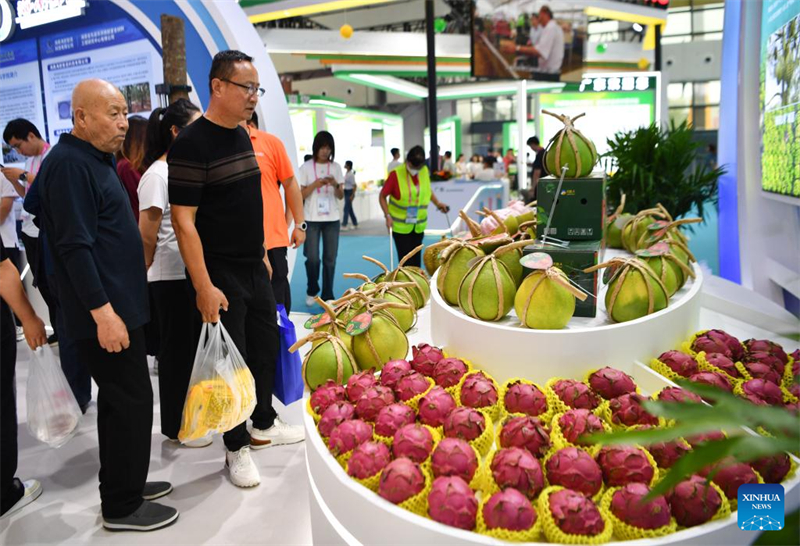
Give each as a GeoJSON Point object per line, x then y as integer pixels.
{"type": "Point", "coordinates": [222, 391]}
{"type": "Point", "coordinates": [53, 412]}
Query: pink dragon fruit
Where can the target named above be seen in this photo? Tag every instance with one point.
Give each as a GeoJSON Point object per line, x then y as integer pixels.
{"type": "Point", "coordinates": [454, 457]}
{"type": "Point", "coordinates": [358, 383]}
{"type": "Point", "coordinates": [793, 407]}
{"type": "Point", "coordinates": [452, 502]}
{"type": "Point", "coordinates": [393, 417]}
{"type": "Point", "coordinates": [435, 406]}
{"type": "Point", "coordinates": [773, 469]}
{"type": "Point", "coordinates": [337, 413]}
{"type": "Point", "coordinates": [392, 372]}
{"type": "Point", "coordinates": [579, 422]}
{"type": "Point", "coordinates": [516, 467]}
{"type": "Point", "coordinates": [700, 439]}
{"type": "Point", "coordinates": [510, 510]}
{"type": "Point", "coordinates": [413, 441]}
{"type": "Point", "coordinates": [766, 346]}
{"type": "Point", "coordinates": [367, 460]}
{"type": "Point", "coordinates": [525, 398]}
{"type": "Point", "coordinates": [525, 432]}
{"type": "Point", "coordinates": [610, 383]}
{"type": "Point", "coordinates": [795, 390]}
{"type": "Point", "coordinates": [729, 475]}
{"type": "Point", "coordinates": [411, 385]}
{"type": "Point", "coordinates": [714, 379]}
{"type": "Point", "coordinates": [449, 371]}
{"type": "Point", "coordinates": [760, 370]}
{"type": "Point", "coordinates": [693, 502]}
{"type": "Point", "coordinates": [680, 363]}
{"type": "Point", "coordinates": [796, 357]}
{"type": "Point", "coordinates": [425, 358]}
{"type": "Point", "coordinates": [723, 363]}
{"type": "Point", "coordinates": [677, 394]}
{"type": "Point", "coordinates": [465, 423]}
{"type": "Point", "coordinates": [401, 480]}
{"type": "Point", "coordinates": [622, 465]}
{"type": "Point", "coordinates": [627, 505]}
{"type": "Point", "coordinates": [666, 454]}
{"type": "Point", "coordinates": [348, 435]}
{"type": "Point", "coordinates": [576, 394]}
{"type": "Point", "coordinates": [575, 514]}
{"type": "Point", "coordinates": [574, 469]}
{"type": "Point", "coordinates": [763, 392]}
{"type": "Point", "coordinates": [325, 395]}
{"type": "Point", "coordinates": [373, 400]}
{"type": "Point", "coordinates": [767, 359]}
{"type": "Point", "coordinates": [627, 410]}
{"type": "Point", "coordinates": [478, 391]}
{"type": "Point", "coordinates": [717, 341]}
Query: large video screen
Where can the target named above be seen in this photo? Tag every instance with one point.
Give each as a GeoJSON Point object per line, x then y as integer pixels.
{"type": "Point", "coordinates": [513, 39]}
{"type": "Point", "coordinates": [780, 97]}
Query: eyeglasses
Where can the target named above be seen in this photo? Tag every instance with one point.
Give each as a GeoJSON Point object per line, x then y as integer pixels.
{"type": "Point", "coordinates": [251, 89]}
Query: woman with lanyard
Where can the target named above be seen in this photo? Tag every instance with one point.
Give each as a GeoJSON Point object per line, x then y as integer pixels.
{"type": "Point", "coordinates": [408, 191]}
{"type": "Point", "coordinates": [322, 184]}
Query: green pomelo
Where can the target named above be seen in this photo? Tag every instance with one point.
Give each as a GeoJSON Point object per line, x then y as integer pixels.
{"type": "Point", "coordinates": [588, 157]}
{"type": "Point", "coordinates": [632, 301]}
{"type": "Point", "coordinates": [526, 217]}
{"type": "Point", "coordinates": [633, 231]}
{"type": "Point", "coordinates": [405, 317]}
{"type": "Point", "coordinates": [320, 364]}
{"type": "Point", "coordinates": [453, 270]}
{"type": "Point", "coordinates": [340, 333]}
{"type": "Point", "coordinates": [422, 292]}
{"type": "Point", "coordinates": [614, 231]}
{"type": "Point", "coordinates": [666, 272]}
{"type": "Point", "coordinates": [478, 294]}
{"type": "Point", "coordinates": [431, 258]}
{"type": "Point", "coordinates": [490, 243]}
{"type": "Point", "coordinates": [551, 305]}
{"type": "Point", "coordinates": [384, 341]}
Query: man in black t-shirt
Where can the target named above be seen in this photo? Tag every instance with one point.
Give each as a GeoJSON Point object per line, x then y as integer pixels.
{"type": "Point", "coordinates": [215, 195]}
{"type": "Point", "coordinates": [537, 170]}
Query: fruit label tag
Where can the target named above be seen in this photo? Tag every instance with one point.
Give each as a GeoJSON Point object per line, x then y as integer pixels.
{"type": "Point", "coordinates": [658, 230]}
{"type": "Point", "coordinates": [537, 260]}
{"type": "Point", "coordinates": [317, 321]}
{"type": "Point", "coordinates": [359, 324]}
{"type": "Point", "coordinates": [658, 249]}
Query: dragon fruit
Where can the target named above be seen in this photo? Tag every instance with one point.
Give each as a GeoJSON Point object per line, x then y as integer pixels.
{"type": "Point", "coordinates": [796, 364]}
{"type": "Point", "coordinates": [666, 454]}
{"type": "Point", "coordinates": [516, 467]}
{"type": "Point", "coordinates": [348, 435]}
{"type": "Point", "coordinates": [527, 433]}
{"type": "Point", "coordinates": [763, 392]}
{"type": "Point", "coordinates": [680, 363]}
{"type": "Point", "coordinates": [525, 398]}
{"type": "Point", "coordinates": [610, 383]}
{"type": "Point", "coordinates": [759, 370]}
{"type": "Point", "coordinates": [465, 423]}
{"type": "Point", "coordinates": [700, 439]}
{"type": "Point", "coordinates": [454, 457]}
{"type": "Point", "coordinates": [729, 475]}
{"type": "Point", "coordinates": [478, 391]}
{"type": "Point", "coordinates": [677, 394]}
{"type": "Point", "coordinates": [578, 422]}
{"type": "Point", "coordinates": [325, 395]}
{"type": "Point", "coordinates": [509, 510]}
{"type": "Point", "coordinates": [795, 390]}
{"type": "Point", "coordinates": [793, 407]}
{"type": "Point", "coordinates": [424, 358]}
{"type": "Point", "coordinates": [449, 371]}
{"type": "Point", "coordinates": [773, 469]}
{"type": "Point", "coordinates": [393, 417]}
{"type": "Point", "coordinates": [401, 480]}
{"type": "Point", "coordinates": [769, 359]}
{"type": "Point", "coordinates": [575, 514]}
{"type": "Point", "coordinates": [622, 465]}
{"type": "Point", "coordinates": [411, 385]}
{"type": "Point", "coordinates": [374, 399]}
{"type": "Point", "coordinates": [337, 413]}
{"type": "Point", "coordinates": [766, 346]}
{"type": "Point", "coordinates": [435, 406]}
{"type": "Point", "coordinates": [574, 469]}
{"type": "Point", "coordinates": [627, 505]}
{"type": "Point", "coordinates": [693, 501]}
{"type": "Point", "coordinates": [576, 394]}
{"type": "Point", "coordinates": [452, 502]}
{"type": "Point", "coordinates": [413, 441]}
{"type": "Point", "coordinates": [717, 341]}
{"type": "Point", "coordinates": [723, 363]}
{"type": "Point", "coordinates": [627, 410]}
{"type": "Point", "coordinates": [393, 370]}
{"type": "Point", "coordinates": [714, 379]}
{"type": "Point", "coordinates": [367, 460]}
{"type": "Point", "coordinates": [358, 383]}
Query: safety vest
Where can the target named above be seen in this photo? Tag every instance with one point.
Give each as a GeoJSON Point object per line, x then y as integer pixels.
{"type": "Point", "coordinates": [410, 196]}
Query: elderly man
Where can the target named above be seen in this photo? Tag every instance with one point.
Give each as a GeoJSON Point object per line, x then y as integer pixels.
{"type": "Point", "coordinates": [549, 47]}
{"type": "Point", "coordinates": [102, 287]}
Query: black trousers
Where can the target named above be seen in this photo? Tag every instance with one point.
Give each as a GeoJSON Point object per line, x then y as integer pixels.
{"type": "Point", "coordinates": [11, 489]}
{"type": "Point", "coordinates": [405, 243]}
{"type": "Point", "coordinates": [251, 320]}
{"type": "Point", "coordinates": [174, 312]}
{"type": "Point", "coordinates": [124, 421]}
{"type": "Point", "coordinates": [152, 330]}
{"type": "Point", "coordinates": [33, 253]}
{"type": "Point", "coordinates": [280, 277]}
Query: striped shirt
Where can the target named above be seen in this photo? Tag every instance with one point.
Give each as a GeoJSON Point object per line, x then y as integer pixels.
{"type": "Point", "coordinates": [215, 169]}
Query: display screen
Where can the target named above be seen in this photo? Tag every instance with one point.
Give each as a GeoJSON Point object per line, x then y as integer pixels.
{"type": "Point", "coordinates": [780, 97]}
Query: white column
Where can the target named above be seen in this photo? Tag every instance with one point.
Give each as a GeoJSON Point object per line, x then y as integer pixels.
{"type": "Point", "coordinates": [522, 120]}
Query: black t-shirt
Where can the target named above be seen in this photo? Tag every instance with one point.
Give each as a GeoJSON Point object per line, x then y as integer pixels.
{"type": "Point", "coordinates": [215, 169]}
{"type": "Point", "coordinates": [538, 162]}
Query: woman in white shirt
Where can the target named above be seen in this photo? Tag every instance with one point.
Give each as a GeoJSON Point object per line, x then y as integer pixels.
{"type": "Point", "coordinates": [322, 184]}
{"type": "Point", "coordinates": [173, 309]}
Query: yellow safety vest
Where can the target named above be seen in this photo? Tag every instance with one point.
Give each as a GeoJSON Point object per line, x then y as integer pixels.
{"type": "Point", "coordinates": [410, 196]}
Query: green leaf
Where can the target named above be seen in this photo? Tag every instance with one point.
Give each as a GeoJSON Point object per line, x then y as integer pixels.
{"type": "Point", "coordinates": [691, 463]}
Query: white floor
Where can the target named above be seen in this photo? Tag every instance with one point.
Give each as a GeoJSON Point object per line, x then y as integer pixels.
{"type": "Point", "coordinates": [213, 511]}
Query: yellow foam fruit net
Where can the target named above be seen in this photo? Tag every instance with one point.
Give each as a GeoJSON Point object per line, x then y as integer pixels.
{"type": "Point", "coordinates": [418, 503]}
{"type": "Point", "coordinates": [706, 366]}
{"type": "Point", "coordinates": [483, 443]}
{"type": "Point", "coordinates": [561, 407]}
{"type": "Point", "coordinates": [592, 453]}
{"type": "Point", "coordinates": [316, 416]}
{"type": "Point", "coordinates": [554, 534]}
{"type": "Point", "coordinates": [788, 378]}
{"type": "Point", "coordinates": [738, 390]}
{"type": "Point", "coordinates": [625, 531]}
{"type": "Point", "coordinates": [531, 535]}
{"type": "Point", "coordinates": [370, 483]}
{"type": "Point", "coordinates": [494, 410]}
{"type": "Point", "coordinates": [606, 415]}
{"type": "Point", "coordinates": [558, 440]}
{"type": "Point", "coordinates": [543, 417]}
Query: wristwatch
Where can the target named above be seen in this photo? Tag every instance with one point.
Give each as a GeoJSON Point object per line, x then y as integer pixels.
{"type": "Point", "coordinates": [302, 226]}
{"type": "Point", "coordinates": [23, 177]}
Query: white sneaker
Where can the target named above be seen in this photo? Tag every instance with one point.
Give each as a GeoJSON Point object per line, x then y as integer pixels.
{"type": "Point", "coordinates": [278, 434]}
{"type": "Point", "coordinates": [32, 491]}
{"type": "Point", "coordinates": [242, 469]}
{"type": "Point", "coordinates": [205, 441]}
{"type": "Point", "coordinates": [311, 301]}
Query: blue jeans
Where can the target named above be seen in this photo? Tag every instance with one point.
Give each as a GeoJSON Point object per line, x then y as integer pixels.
{"type": "Point", "coordinates": [348, 208]}
{"type": "Point", "coordinates": [330, 248]}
